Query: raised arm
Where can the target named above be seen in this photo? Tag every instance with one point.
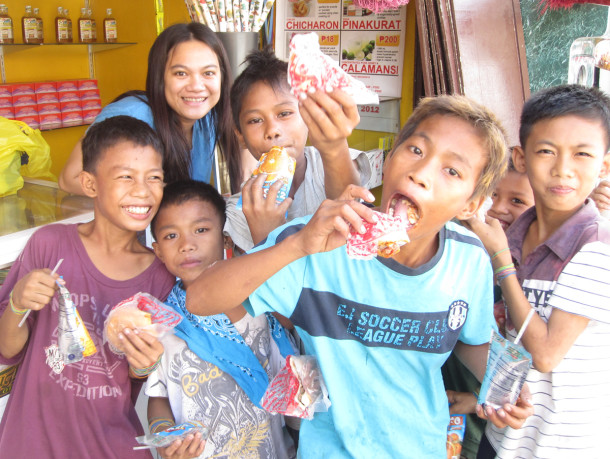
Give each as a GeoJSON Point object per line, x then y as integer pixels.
{"type": "Point", "coordinates": [547, 342]}
{"type": "Point", "coordinates": [68, 177]}
{"type": "Point", "coordinates": [230, 282]}
{"type": "Point", "coordinates": [331, 117]}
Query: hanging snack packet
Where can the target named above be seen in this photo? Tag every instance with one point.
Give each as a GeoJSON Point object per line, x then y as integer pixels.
{"type": "Point", "coordinates": [278, 165]}
{"type": "Point", "coordinates": [171, 434]}
{"type": "Point", "coordinates": [455, 435]}
{"type": "Point", "coordinates": [507, 367]}
{"type": "Point", "coordinates": [298, 389]}
{"type": "Point", "coordinates": [74, 341]}
{"type": "Point", "coordinates": [309, 67]}
{"type": "Point", "coordinates": [143, 312]}
{"type": "Point", "coordinates": [383, 238]}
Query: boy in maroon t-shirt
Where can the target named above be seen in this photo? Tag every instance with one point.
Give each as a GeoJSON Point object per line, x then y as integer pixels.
{"type": "Point", "coordinates": [85, 409]}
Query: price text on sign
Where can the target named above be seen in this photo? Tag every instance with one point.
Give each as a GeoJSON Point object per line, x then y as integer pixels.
{"type": "Point", "coordinates": [388, 39]}
{"type": "Point", "coordinates": [369, 108]}
{"type": "Point", "coordinates": [329, 40]}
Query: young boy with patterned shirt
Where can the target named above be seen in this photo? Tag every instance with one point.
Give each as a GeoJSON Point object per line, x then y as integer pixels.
{"type": "Point", "coordinates": [267, 114]}
{"type": "Point", "coordinates": [85, 409]}
{"type": "Point", "coordinates": [215, 369]}
{"type": "Point", "coordinates": [382, 328]}
{"type": "Point", "coordinates": [561, 251]}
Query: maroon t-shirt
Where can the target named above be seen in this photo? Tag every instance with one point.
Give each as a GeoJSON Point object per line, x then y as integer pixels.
{"type": "Point", "coordinates": [87, 410]}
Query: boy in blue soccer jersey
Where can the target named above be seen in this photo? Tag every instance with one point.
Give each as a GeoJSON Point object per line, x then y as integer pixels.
{"type": "Point", "coordinates": [382, 328]}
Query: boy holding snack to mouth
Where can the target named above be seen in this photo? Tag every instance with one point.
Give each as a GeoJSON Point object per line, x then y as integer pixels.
{"type": "Point", "coordinates": [267, 114]}
{"type": "Point", "coordinates": [86, 409]}
{"type": "Point", "coordinates": [382, 328]}
{"type": "Point", "coordinates": [560, 249]}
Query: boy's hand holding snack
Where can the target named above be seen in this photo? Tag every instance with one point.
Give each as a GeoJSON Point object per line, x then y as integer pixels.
{"type": "Point", "coordinates": [330, 116]}
{"type": "Point", "coordinates": [142, 350]}
{"type": "Point", "coordinates": [509, 415]}
{"type": "Point", "coordinates": [190, 447]}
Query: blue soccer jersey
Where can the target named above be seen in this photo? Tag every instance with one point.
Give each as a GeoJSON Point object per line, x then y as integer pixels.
{"type": "Point", "coordinates": [381, 332]}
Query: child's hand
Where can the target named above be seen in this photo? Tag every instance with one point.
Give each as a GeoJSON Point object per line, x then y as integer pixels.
{"type": "Point", "coordinates": [509, 415]}
{"type": "Point", "coordinates": [35, 289]}
{"type": "Point", "coordinates": [191, 446]}
{"type": "Point", "coordinates": [330, 225]}
{"type": "Point", "coordinates": [330, 117]}
{"type": "Point", "coordinates": [490, 232]}
{"type": "Point", "coordinates": [263, 214]}
{"type": "Point", "coordinates": [601, 195]}
{"type": "Point", "coordinates": [461, 402]}
{"type": "Point", "coordinates": [141, 349]}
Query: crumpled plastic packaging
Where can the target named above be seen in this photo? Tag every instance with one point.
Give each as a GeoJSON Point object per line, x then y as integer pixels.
{"type": "Point", "coordinates": [383, 238]}
{"type": "Point", "coordinates": [309, 67]}
{"type": "Point", "coordinates": [298, 389]}
{"type": "Point", "coordinates": [171, 434]}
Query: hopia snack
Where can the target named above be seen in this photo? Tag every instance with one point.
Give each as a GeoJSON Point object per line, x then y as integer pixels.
{"type": "Point", "coordinates": [278, 165]}
{"type": "Point", "coordinates": [298, 389]}
{"type": "Point", "coordinates": [383, 238]}
{"type": "Point", "coordinates": [309, 67]}
{"type": "Point", "coordinates": [143, 312]}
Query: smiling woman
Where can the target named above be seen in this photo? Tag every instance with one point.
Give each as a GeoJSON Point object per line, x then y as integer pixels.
{"type": "Point", "coordinates": [187, 103]}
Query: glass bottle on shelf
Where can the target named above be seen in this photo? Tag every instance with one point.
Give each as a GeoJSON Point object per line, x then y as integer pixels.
{"type": "Point", "coordinates": [110, 28]}
{"type": "Point", "coordinates": [69, 23]}
{"type": "Point", "coordinates": [29, 27]}
{"type": "Point", "coordinates": [93, 25]}
{"type": "Point", "coordinates": [39, 28]}
{"type": "Point", "coordinates": [84, 27]}
{"type": "Point", "coordinates": [6, 26]}
{"type": "Point", "coordinates": [61, 27]}
{"type": "Point", "coordinates": [590, 60]}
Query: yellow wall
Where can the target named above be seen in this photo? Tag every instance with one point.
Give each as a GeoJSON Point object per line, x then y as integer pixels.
{"type": "Point", "coordinates": [117, 70]}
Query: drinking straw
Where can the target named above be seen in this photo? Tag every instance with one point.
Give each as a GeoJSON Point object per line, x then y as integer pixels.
{"type": "Point", "coordinates": [229, 16]}
{"type": "Point", "coordinates": [526, 322]}
{"type": "Point", "coordinates": [207, 17]}
{"type": "Point", "coordinates": [237, 16]}
{"type": "Point", "coordinates": [25, 316]}
{"type": "Point", "coordinates": [212, 9]}
{"type": "Point", "coordinates": [263, 15]}
{"type": "Point", "coordinates": [244, 11]}
{"type": "Point", "coordinates": [222, 22]}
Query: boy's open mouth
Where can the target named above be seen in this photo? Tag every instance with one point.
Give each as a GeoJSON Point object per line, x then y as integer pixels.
{"type": "Point", "coordinates": [401, 206]}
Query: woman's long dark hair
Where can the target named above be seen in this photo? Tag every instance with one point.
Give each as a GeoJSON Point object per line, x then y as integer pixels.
{"type": "Point", "coordinates": [177, 152]}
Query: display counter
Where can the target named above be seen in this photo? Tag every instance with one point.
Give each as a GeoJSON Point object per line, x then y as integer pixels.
{"type": "Point", "coordinates": [37, 204]}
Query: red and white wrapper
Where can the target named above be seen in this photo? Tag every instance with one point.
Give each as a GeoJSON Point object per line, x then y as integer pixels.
{"type": "Point", "coordinates": [383, 238]}
{"type": "Point", "coordinates": [309, 67]}
{"type": "Point", "coordinates": [298, 389]}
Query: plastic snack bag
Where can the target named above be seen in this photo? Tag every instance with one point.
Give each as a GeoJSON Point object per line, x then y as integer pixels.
{"type": "Point", "coordinates": [383, 238]}
{"type": "Point", "coordinates": [507, 367]}
{"type": "Point", "coordinates": [278, 165]}
{"type": "Point", "coordinates": [309, 67]}
{"type": "Point", "coordinates": [455, 435]}
{"type": "Point", "coordinates": [74, 341]}
{"type": "Point", "coordinates": [171, 434]}
{"type": "Point", "coordinates": [298, 389]}
{"type": "Point", "coordinates": [143, 312]}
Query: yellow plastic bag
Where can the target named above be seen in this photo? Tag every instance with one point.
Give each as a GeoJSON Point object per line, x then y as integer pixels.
{"type": "Point", "coordinates": [23, 153]}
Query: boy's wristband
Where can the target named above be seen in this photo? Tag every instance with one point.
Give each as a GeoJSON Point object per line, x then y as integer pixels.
{"type": "Point", "coordinates": [505, 274]}
{"type": "Point", "coordinates": [14, 308]}
{"type": "Point", "coordinates": [158, 424]}
{"type": "Point", "coordinates": [499, 252]}
{"type": "Point", "coordinates": [142, 373]}
{"type": "Point", "coordinates": [503, 268]}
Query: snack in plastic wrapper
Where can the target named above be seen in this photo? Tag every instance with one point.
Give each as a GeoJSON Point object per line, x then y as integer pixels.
{"type": "Point", "coordinates": [143, 312]}
{"type": "Point", "coordinates": [309, 67]}
{"type": "Point", "coordinates": [171, 434]}
{"type": "Point", "coordinates": [383, 238]}
{"type": "Point", "coordinates": [507, 368]}
{"type": "Point", "coordinates": [74, 341]}
{"type": "Point", "coordinates": [278, 165]}
{"type": "Point", "coordinates": [298, 389]}
{"type": "Point", "coordinates": [455, 435]}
